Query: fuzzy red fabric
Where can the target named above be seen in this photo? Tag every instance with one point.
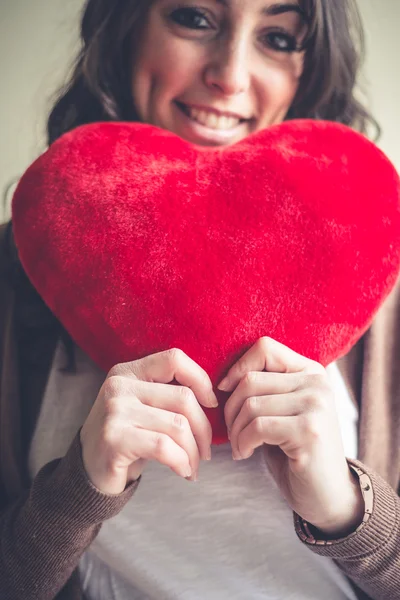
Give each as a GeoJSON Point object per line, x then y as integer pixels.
{"type": "Point", "coordinates": [139, 241]}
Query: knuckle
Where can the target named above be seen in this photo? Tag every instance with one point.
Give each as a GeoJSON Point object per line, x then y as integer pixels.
{"type": "Point", "coordinates": [318, 391]}
{"type": "Point", "coordinates": [251, 404]}
{"type": "Point", "coordinates": [265, 343]}
{"type": "Point", "coordinates": [114, 371]}
{"type": "Point", "coordinates": [259, 425]}
{"type": "Point", "coordinates": [309, 402]}
{"type": "Point", "coordinates": [114, 385]}
{"type": "Point", "coordinates": [160, 445]}
{"type": "Point", "coordinates": [310, 427]}
{"type": "Point", "coordinates": [180, 422]}
{"type": "Point", "coordinates": [138, 368]}
{"type": "Point", "coordinates": [250, 378]}
{"type": "Point", "coordinates": [174, 355]}
{"type": "Point", "coordinates": [131, 369]}
{"type": "Point", "coordinates": [185, 396]}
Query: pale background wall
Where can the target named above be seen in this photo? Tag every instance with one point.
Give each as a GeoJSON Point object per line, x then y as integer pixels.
{"type": "Point", "coordinates": [37, 39]}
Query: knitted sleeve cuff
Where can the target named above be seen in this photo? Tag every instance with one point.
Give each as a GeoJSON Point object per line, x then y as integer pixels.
{"type": "Point", "coordinates": [380, 523]}
{"type": "Point", "coordinates": [71, 495]}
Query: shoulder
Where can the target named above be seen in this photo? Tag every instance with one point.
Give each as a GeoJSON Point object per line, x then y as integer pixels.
{"type": "Point", "coordinates": [4, 229]}
{"type": "Point", "coordinates": [382, 338]}
{"type": "Point", "coordinates": [7, 251]}
{"type": "Point", "coordinates": [387, 318]}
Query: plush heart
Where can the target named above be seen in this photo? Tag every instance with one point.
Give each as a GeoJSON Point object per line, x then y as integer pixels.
{"type": "Point", "coordinates": [140, 242]}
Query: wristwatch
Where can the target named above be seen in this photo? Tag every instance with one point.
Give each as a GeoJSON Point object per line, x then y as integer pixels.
{"type": "Point", "coordinates": [303, 528]}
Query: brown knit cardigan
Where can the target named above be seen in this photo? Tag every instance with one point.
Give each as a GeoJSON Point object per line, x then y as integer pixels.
{"type": "Point", "coordinates": [46, 526]}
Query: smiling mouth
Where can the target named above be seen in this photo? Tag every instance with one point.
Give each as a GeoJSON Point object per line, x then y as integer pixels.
{"type": "Point", "coordinates": [211, 119]}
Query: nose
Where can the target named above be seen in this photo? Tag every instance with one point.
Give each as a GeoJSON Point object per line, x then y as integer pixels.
{"type": "Point", "coordinates": [229, 69]}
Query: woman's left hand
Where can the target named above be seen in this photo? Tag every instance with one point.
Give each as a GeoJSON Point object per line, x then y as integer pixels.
{"type": "Point", "coordinates": [284, 402]}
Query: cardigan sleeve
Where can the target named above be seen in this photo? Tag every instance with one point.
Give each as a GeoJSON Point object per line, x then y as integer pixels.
{"type": "Point", "coordinates": [45, 532]}
{"type": "Point", "coordinates": [371, 556]}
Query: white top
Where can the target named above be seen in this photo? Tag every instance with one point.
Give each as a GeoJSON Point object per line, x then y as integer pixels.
{"type": "Point", "coordinates": [229, 536]}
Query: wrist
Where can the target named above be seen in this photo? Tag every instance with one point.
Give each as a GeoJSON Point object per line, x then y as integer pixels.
{"type": "Point", "coordinates": [349, 517]}
{"type": "Point", "coordinates": [316, 536]}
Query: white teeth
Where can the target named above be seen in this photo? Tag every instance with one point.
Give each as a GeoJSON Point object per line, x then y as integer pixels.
{"type": "Point", "coordinates": [212, 120]}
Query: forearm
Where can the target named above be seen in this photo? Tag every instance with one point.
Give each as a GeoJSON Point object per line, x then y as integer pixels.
{"type": "Point", "coordinates": [45, 532]}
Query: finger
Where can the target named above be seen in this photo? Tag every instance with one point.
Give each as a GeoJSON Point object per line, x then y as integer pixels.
{"type": "Point", "coordinates": [283, 405]}
{"type": "Point", "coordinates": [166, 366]}
{"type": "Point", "coordinates": [268, 355]}
{"type": "Point", "coordinates": [276, 431]}
{"type": "Point", "coordinates": [259, 384]}
{"type": "Point", "coordinates": [181, 400]}
{"type": "Point", "coordinates": [176, 426]}
{"type": "Point", "coordinates": [170, 423]}
{"type": "Point", "coordinates": [151, 445]}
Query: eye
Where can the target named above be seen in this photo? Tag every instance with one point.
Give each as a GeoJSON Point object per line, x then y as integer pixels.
{"type": "Point", "coordinates": [191, 18]}
{"type": "Point", "coordinates": [281, 42]}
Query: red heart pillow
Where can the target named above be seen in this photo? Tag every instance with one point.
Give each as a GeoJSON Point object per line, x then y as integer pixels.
{"type": "Point", "coordinates": [139, 241]}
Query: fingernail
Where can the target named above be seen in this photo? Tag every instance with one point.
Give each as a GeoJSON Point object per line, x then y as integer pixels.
{"type": "Point", "coordinates": [187, 474]}
{"type": "Point", "coordinates": [213, 399]}
{"type": "Point", "coordinates": [236, 456]}
{"type": "Point", "coordinates": [193, 477]}
{"type": "Point", "coordinates": [223, 386]}
{"type": "Point", "coordinates": [208, 454]}
{"type": "Point", "coordinates": [229, 434]}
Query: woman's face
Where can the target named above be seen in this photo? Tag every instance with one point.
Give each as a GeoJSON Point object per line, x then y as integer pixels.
{"type": "Point", "coordinates": [215, 71]}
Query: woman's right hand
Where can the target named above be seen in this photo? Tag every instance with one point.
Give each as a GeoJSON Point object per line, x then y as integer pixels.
{"type": "Point", "coordinates": [138, 417]}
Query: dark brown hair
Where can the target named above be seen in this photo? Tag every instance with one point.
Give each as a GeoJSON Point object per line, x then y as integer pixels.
{"type": "Point", "coordinates": [99, 89]}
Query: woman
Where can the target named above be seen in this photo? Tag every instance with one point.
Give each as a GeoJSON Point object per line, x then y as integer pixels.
{"type": "Point", "coordinates": [212, 72]}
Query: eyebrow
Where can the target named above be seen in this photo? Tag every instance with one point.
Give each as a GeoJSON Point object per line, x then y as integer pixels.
{"type": "Point", "coordinates": [276, 9]}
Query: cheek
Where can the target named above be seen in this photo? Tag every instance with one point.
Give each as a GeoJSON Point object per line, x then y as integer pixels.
{"type": "Point", "coordinates": [165, 68]}
{"type": "Point", "coordinates": [277, 90]}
